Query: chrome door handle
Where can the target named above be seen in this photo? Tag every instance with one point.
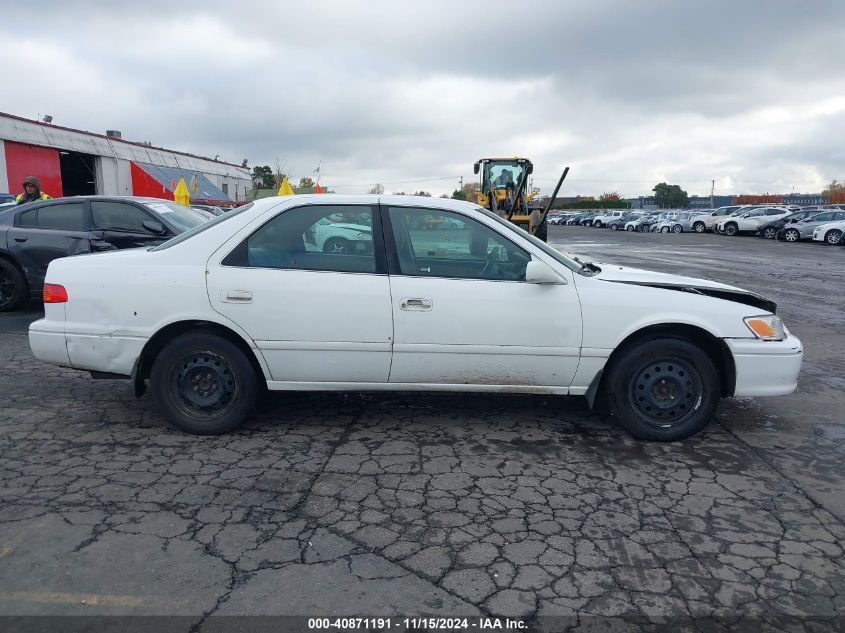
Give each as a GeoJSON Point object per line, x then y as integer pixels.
{"type": "Point", "coordinates": [423, 305]}
{"type": "Point", "coordinates": [236, 296]}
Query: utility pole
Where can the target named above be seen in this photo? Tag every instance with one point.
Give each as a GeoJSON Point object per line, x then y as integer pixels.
{"type": "Point", "coordinates": [712, 187]}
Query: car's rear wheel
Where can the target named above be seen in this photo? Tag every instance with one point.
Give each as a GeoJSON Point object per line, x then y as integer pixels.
{"type": "Point", "coordinates": [792, 235]}
{"type": "Point", "coordinates": [770, 233]}
{"type": "Point", "coordinates": [337, 245]}
{"type": "Point", "coordinates": [833, 236]}
{"type": "Point", "coordinates": [203, 384]}
{"type": "Point", "coordinates": [699, 227]}
{"type": "Point", "coordinates": [662, 389]}
{"type": "Point", "coordinates": [677, 228]}
{"type": "Point", "coordinates": [13, 287]}
{"type": "Point", "coordinates": [597, 224]}
{"type": "Point", "coordinates": [630, 228]}
{"type": "Point", "coordinates": [664, 229]}
{"type": "Point", "coordinates": [731, 229]}
{"type": "Point", "coordinates": [614, 227]}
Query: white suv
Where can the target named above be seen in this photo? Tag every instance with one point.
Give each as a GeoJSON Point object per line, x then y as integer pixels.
{"type": "Point", "coordinates": [600, 220]}
{"type": "Point", "coordinates": [750, 221]}
{"type": "Point", "coordinates": [708, 222]}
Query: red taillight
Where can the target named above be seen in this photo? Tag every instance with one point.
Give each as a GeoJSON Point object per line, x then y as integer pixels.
{"type": "Point", "coordinates": [54, 293]}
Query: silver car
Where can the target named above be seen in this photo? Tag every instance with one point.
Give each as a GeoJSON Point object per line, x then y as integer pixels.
{"type": "Point", "coordinates": [682, 222]}
{"type": "Point", "coordinates": [803, 229]}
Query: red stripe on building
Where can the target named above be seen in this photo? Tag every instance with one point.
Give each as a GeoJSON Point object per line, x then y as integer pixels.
{"type": "Point", "coordinates": [145, 185]}
{"type": "Point", "coordinates": [31, 160]}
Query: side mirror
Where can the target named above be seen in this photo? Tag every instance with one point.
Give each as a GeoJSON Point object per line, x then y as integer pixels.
{"type": "Point", "coordinates": [530, 168]}
{"type": "Point", "coordinates": [154, 226]}
{"type": "Point", "coordinates": [475, 168]}
{"type": "Point", "coordinates": [539, 273]}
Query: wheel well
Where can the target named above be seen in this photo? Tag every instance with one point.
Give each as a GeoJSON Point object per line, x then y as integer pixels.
{"type": "Point", "coordinates": [715, 348]}
{"type": "Point", "coordinates": [161, 338]}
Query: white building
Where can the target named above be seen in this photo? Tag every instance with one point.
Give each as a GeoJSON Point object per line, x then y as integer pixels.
{"type": "Point", "coordinates": [73, 162]}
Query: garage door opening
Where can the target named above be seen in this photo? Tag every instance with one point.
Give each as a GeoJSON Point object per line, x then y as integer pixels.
{"type": "Point", "coordinates": [77, 173]}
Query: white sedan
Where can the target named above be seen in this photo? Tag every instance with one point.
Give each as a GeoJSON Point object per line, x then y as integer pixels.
{"type": "Point", "coordinates": [830, 233]}
{"type": "Point", "coordinates": [242, 300]}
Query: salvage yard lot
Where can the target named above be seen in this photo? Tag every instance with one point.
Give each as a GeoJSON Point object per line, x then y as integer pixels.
{"type": "Point", "coordinates": [386, 504]}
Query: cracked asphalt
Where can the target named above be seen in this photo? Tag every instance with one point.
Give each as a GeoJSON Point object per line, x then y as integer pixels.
{"type": "Point", "coordinates": [454, 505]}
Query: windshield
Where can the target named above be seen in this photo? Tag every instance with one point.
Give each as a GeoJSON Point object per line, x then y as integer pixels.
{"type": "Point", "coordinates": [181, 217]}
{"type": "Point", "coordinates": [206, 224]}
{"type": "Point", "coordinates": [551, 252]}
{"type": "Point", "coordinates": [501, 174]}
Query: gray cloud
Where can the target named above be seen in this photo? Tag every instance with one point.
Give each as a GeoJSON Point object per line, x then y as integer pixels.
{"type": "Point", "coordinates": [747, 93]}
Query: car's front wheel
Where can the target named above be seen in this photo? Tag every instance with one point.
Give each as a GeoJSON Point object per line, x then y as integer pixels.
{"type": "Point", "coordinates": [731, 229]}
{"type": "Point", "coordinates": [833, 236]}
{"type": "Point", "coordinates": [630, 227]}
{"type": "Point", "coordinates": [662, 389]}
{"type": "Point", "coordinates": [677, 228]}
{"type": "Point", "coordinates": [597, 224]}
{"type": "Point", "coordinates": [203, 384]}
{"type": "Point", "coordinates": [664, 229]}
{"type": "Point", "coordinates": [699, 227]}
{"type": "Point", "coordinates": [614, 227]}
{"type": "Point", "coordinates": [13, 287]}
{"type": "Point", "coordinates": [770, 233]}
{"type": "Point", "coordinates": [792, 235]}
{"type": "Point", "coordinates": [338, 246]}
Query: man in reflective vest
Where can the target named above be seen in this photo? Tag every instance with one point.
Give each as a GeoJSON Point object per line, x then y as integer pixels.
{"type": "Point", "coordinates": [31, 191]}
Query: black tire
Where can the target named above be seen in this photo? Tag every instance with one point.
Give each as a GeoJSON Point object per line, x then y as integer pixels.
{"type": "Point", "coordinates": [677, 229]}
{"type": "Point", "coordinates": [664, 229]}
{"type": "Point", "coordinates": [13, 287]}
{"type": "Point", "coordinates": [630, 227]}
{"type": "Point", "coordinates": [833, 237]}
{"type": "Point", "coordinates": [792, 235]}
{"type": "Point", "coordinates": [770, 233]}
{"type": "Point", "coordinates": [699, 227]}
{"type": "Point", "coordinates": [337, 245]}
{"type": "Point", "coordinates": [203, 384]}
{"type": "Point", "coordinates": [731, 229]}
{"type": "Point", "coordinates": [663, 389]}
{"type": "Point", "coordinates": [614, 227]}
{"type": "Point", "coordinates": [596, 224]}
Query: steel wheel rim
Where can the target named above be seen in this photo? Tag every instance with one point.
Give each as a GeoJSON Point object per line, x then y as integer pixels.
{"type": "Point", "coordinates": [791, 236]}
{"type": "Point", "coordinates": [7, 288]}
{"type": "Point", "coordinates": [677, 229]}
{"type": "Point", "coordinates": [769, 233]}
{"type": "Point", "coordinates": [666, 392]}
{"type": "Point", "coordinates": [202, 385]}
{"type": "Point", "coordinates": [833, 238]}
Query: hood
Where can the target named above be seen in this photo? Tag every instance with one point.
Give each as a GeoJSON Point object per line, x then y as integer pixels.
{"type": "Point", "coordinates": [32, 180]}
{"type": "Point", "coordinates": [638, 277]}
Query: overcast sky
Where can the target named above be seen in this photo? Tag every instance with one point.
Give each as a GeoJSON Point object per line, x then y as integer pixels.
{"type": "Point", "coordinates": [410, 94]}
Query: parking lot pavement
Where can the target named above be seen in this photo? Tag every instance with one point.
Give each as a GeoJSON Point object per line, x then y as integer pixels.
{"type": "Point", "coordinates": [388, 504]}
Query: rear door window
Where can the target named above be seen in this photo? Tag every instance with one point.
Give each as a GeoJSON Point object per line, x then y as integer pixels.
{"type": "Point", "coordinates": [69, 216]}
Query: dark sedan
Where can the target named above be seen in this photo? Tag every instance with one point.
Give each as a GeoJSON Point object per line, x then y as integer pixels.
{"type": "Point", "coordinates": [32, 235]}
{"type": "Point", "coordinates": [770, 229]}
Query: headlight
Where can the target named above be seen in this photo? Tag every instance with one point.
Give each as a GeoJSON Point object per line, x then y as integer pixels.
{"type": "Point", "coordinates": [364, 237]}
{"type": "Point", "coordinates": [768, 328]}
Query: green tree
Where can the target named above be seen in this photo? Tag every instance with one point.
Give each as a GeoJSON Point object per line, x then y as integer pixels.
{"type": "Point", "coordinates": [306, 182]}
{"type": "Point", "coordinates": [670, 196]}
{"type": "Point", "coordinates": [458, 194]}
{"type": "Point", "coordinates": [263, 177]}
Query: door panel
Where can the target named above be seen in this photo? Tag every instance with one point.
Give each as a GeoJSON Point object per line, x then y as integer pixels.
{"type": "Point", "coordinates": [493, 329]}
{"type": "Point", "coordinates": [332, 324]}
{"type": "Point", "coordinates": [54, 230]}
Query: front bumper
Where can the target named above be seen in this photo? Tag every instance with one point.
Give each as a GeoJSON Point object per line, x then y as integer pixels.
{"type": "Point", "coordinates": [766, 368]}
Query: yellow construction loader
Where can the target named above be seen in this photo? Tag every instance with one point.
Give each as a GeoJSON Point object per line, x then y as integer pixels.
{"type": "Point", "coordinates": [502, 190]}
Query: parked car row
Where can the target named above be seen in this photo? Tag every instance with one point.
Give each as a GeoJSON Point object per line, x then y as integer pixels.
{"type": "Point", "coordinates": [786, 223]}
